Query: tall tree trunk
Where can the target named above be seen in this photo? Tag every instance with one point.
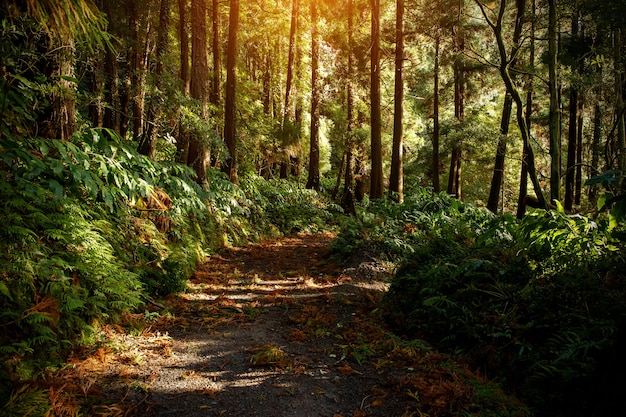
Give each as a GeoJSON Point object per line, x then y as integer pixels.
{"type": "Point", "coordinates": [579, 153]}
{"type": "Point", "coordinates": [554, 115]}
{"type": "Point", "coordinates": [199, 83]}
{"type": "Point", "coordinates": [572, 135]}
{"type": "Point", "coordinates": [513, 91]}
{"type": "Point", "coordinates": [396, 176]}
{"type": "Point", "coordinates": [376, 157]}
{"type": "Point", "coordinates": [523, 182]}
{"type": "Point", "coordinates": [436, 133]}
{"type": "Point", "coordinates": [216, 88]}
{"type": "Point", "coordinates": [454, 178]}
{"type": "Point", "coordinates": [182, 142]}
{"type": "Point", "coordinates": [619, 100]}
{"type": "Point", "coordinates": [62, 122]}
{"type": "Point", "coordinates": [230, 138]}
{"type": "Point", "coordinates": [595, 151]}
{"type": "Point", "coordinates": [136, 71]}
{"type": "Point", "coordinates": [288, 113]}
{"type": "Point", "coordinates": [313, 181]}
{"type": "Point", "coordinates": [498, 170]}
{"type": "Point", "coordinates": [147, 145]}
{"type": "Point", "coordinates": [347, 200]}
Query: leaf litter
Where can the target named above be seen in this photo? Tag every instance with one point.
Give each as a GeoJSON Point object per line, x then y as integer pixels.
{"type": "Point", "coordinates": [271, 329]}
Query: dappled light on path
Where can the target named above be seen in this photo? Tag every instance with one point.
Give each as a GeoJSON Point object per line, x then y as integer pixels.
{"type": "Point", "coordinates": [273, 329]}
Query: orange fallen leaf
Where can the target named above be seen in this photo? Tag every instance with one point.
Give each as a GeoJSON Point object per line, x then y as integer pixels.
{"type": "Point", "coordinates": [348, 370]}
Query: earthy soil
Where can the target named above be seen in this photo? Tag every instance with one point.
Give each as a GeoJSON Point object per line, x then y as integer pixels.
{"type": "Point", "coordinates": [272, 329]}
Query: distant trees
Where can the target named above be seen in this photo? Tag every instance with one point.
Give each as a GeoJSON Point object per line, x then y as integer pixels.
{"type": "Point", "coordinates": [446, 102]}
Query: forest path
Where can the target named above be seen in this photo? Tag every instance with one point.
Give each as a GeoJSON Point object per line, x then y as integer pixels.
{"type": "Point", "coordinates": [272, 329]}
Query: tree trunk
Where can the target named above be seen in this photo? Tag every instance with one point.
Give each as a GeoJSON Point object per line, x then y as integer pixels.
{"type": "Point", "coordinates": [579, 153]}
{"type": "Point", "coordinates": [498, 170]}
{"type": "Point", "coordinates": [182, 142]}
{"type": "Point", "coordinates": [454, 178]}
{"type": "Point", "coordinates": [216, 88]}
{"type": "Point", "coordinates": [572, 134]}
{"type": "Point", "coordinates": [435, 157]}
{"type": "Point", "coordinates": [396, 176]}
{"type": "Point", "coordinates": [619, 101]}
{"type": "Point", "coordinates": [136, 72]}
{"type": "Point", "coordinates": [554, 115]}
{"type": "Point", "coordinates": [512, 90]}
{"type": "Point", "coordinates": [313, 181]}
{"type": "Point", "coordinates": [376, 157]}
{"type": "Point", "coordinates": [199, 82]}
{"type": "Point", "coordinates": [523, 182]}
{"type": "Point", "coordinates": [147, 145]}
{"type": "Point", "coordinates": [347, 200]}
{"type": "Point", "coordinates": [62, 122]}
{"type": "Point", "coordinates": [595, 151]}
{"type": "Point", "coordinates": [230, 138]}
{"type": "Point", "coordinates": [288, 113]}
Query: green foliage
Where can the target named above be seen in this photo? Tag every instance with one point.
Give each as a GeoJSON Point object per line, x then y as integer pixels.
{"type": "Point", "coordinates": [289, 207]}
{"type": "Point", "coordinates": [539, 303]}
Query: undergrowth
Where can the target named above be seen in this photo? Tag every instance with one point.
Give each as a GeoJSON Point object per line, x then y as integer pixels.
{"type": "Point", "coordinates": [538, 304]}
{"type": "Point", "coordinates": [91, 230]}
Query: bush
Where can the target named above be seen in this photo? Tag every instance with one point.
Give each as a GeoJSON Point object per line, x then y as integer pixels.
{"type": "Point", "coordinates": [539, 304]}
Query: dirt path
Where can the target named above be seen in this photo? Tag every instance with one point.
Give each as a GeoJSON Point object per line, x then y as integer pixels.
{"type": "Point", "coordinates": [274, 329]}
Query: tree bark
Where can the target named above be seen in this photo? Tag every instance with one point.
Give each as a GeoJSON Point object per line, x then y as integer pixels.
{"type": "Point", "coordinates": [436, 133]}
{"type": "Point", "coordinates": [182, 142]}
{"type": "Point", "coordinates": [498, 170]}
{"type": "Point", "coordinates": [313, 181]}
{"type": "Point", "coordinates": [347, 200]}
{"type": "Point", "coordinates": [199, 82]}
{"type": "Point", "coordinates": [147, 145]}
{"type": "Point", "coordinates": [288, 112]}
{"type": "Point", "coordinates": [216, 88]}
{"type": "Point", "coordinates": [230, 137]}
{"type": "Point", "coordinates": [396, 179]}
{"type": "Point", "coordinates": [376, 158]}
{"type": "Point", "coordinates": [513, 91]}
{"type": "Point", "coordinates": [554, 115]}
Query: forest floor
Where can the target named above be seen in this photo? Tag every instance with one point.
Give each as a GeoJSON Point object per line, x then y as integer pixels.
{"type": "Point", "coordinates": [271, 329]}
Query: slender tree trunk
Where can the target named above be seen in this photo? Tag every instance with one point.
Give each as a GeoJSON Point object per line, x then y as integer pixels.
{"type": "Point", "coordinates": [136, 72]}
{"type": "Point", "coordinates": [579, 153]}
{"type": "Point", "coordinates": [595, 151]}
{"type": "Point", "coordinates": [454, 178]}
{"type": "Point", "coordinates": [554, 116]}
{"type": "Point", "coordinates": [572, 139]}
{"type": "Point", "coordinates": [347, 200]}
{"type": "Point", "coordinates": [513, 91]}
{"type": "Point", "coordinates": [436, 133]}
{"type": "Point", "coordinates": [147, 145]}
{"type": "Point", "coordinates": [288, 112]}
{"type": "Point", "coordinates": [62, 122]}
{"type": "Point", "coordinates": [111, 96]}
{"type": "Point", "coordinates": [230, 137]}
{"type": "Point", "coordinates": [572, 135]}
{"type": "Point", "coordinates": [376, 178]}
{"type": "Point", "coordinates": [216, 88]}
{"type": "Point", "coordinates": [498, 170]}
{"type": "Point", "coordinates": [199, 83]}
{"type": "Point", "coordinates": [182, 142]}
{"type": "Point", "coordinates": [313, 181]}
{"type": "Point", "coordinates": [619, 100]}
{"type": "Point", "coordinates": [523, 182]}
{"type": "Point", "coordinates": [396, 176]}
